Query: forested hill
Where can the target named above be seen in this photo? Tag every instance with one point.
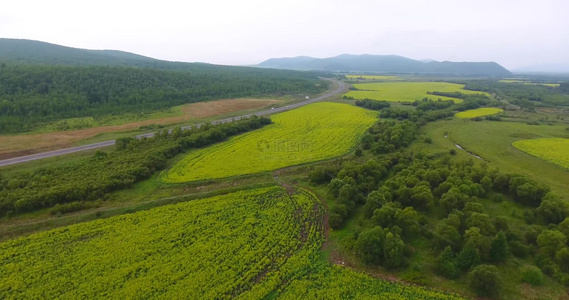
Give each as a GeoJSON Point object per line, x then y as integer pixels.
{"type": "Point", "coordinates": [35, 52]}
{"type": "Point", "coordinates": [32, 95]}
{"type": "Point", "coordinates": [387, 64]}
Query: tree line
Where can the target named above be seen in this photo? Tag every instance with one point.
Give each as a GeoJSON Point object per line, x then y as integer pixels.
{"type": "Point", "coordinates": [92, 179]}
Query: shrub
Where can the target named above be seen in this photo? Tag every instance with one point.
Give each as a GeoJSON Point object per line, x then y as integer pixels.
{"type": "Point", "coordinates": [485, 281]}
{"type": "Point", "coordinates": [532, 275]}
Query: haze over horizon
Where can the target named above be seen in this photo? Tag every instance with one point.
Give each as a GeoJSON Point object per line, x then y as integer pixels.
{"type": "Point", "coordinates": [520, 35]}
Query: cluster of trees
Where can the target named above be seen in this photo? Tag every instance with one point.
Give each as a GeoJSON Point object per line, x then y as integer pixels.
{"type": "Point", "coordinates": [387, 136]}
{"type": "Point", "coordinates": [31, 95]}
{"type": "Point", "coordinates": [91, 180]}
{"type": "Point", "coordinates": [418, 116]}
{"type": "Point", "coordinates": [405, 197]}
{"type": "Point", "coordinates": [426, 104]}
{"type": "Point", "coordinates": [355, 179]}
{"type": "Point", "coordinates": [373, 104]}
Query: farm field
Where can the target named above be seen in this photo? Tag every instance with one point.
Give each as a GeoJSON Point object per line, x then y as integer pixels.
{"type": "Point", "coordinates": [528, 82]}
{"type": "Point", "coordinates": [406, 91]}
{"type": "Point", "coordinates": [24, 144]}
{"type": "Point", "coordinates": [554, 150]}
{"type": "Point", "coordinates": [314, 132]}
{"type": "Point", "coordinates": [479, 112]}
{"type": "Point", "coordinates": [373, 77]}
{"type": "Point", "coordinates": [249, 245]}
{"type": "Point", "coordinates": [493, 142]}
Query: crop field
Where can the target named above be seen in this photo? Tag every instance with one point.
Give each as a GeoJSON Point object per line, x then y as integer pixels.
{"type": "Point", "coordinates": [314, 132]}
{"type": "Point", "coordinates": [373, 77]}
{"type": "Point", "coordinates": [479, 112]}
{"type": "Point", "coordinates": [528, 82]}
{"type": "Point", "coordinates": [555, 150]}
{"type": "Point", "coordinates": [249, 245]}
{"type": "Point", "coordinates": [406, 91]}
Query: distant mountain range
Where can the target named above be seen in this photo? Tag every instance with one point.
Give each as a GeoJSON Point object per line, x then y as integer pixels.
{"type": "Point", "coordinates": [35, 52]}
{"type": "Point", "coordinates": [386, 64]}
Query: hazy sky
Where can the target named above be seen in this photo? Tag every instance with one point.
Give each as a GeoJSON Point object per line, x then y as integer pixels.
{"type": "Point", "coordinates": [516, 33]}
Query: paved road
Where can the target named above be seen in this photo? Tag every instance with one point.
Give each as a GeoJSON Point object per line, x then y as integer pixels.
{"type": "Point", "coordinates": [22, 159]}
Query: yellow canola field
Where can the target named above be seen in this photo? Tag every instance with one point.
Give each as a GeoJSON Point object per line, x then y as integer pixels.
{"type": "Point", "coordinates": [555, 150]}
{"type": "Point", "coordinates": [479, 112]}
{"type": "Point", "coordinates": [407, 91]}
{"type": "Point", "coordinates": [314, 132]}
{"type": "Point", "coordinates": [373, 77]}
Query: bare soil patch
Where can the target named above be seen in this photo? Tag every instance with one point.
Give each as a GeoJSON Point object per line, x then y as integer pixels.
{"type": "Point", "coordinates": [26, 144]}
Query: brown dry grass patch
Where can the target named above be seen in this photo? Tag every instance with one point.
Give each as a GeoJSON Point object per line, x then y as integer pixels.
{"type": "Point", "coordinates": [25, 144]}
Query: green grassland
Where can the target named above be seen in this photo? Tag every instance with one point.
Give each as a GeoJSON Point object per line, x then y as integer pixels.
{"type": "Point", "coordinates": [248, 245]}
{"type": "Point", "coordinates": [554, 150]}
{"type": "Point", "coordinates": [406, 91]}
{"type": "Point", "coordinates": [479, 112]}
{"type": "Point", "coordinates": [314, 132]}
{"type": "Point", "coordinates": [493, 142]}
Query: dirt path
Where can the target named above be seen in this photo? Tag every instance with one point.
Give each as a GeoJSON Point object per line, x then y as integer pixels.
{"type": "Point", "coordinates": [26, 144]}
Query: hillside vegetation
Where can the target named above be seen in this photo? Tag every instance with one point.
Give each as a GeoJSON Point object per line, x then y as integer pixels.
{"type": "Point", "coordinates": [31, 95]}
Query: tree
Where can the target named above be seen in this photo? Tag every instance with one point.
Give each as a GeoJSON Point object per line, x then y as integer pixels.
{"type": "Point", "coordinates": [385, 216]}
{"type": "Point", "coordinates": [447, 236]}
{"type": "Point", "coordinates": [564, 227]}
{"type": "Point", "coordinates": [421, 196]}
{"type": "Point", "coordinates": [335, 185]}
{"type": "Point", "coordinates": [487, 183]}
{"type": "Point", "coordinates": [446, 264]}
{"type": "Point", "coordinates": [553, 209]}
{"type": "Point", "coordinates": [370, 245]}
{"type": "Point", "coordinates": [499, 248]}
{"type": "Point", "coordinates": [485, 280]}
{"type": "Point", "coordinates": [374, 201]}
{"type": "Point", "coordinates": [393, 250]}
{"type": "Point", "coordinates": [481, 242]}
{"type": "Point", "coordinates": [468, 257]}
{"type": "Point", "coordinates": [551, 241]}
{"type": "Point", "coordinates": [481, 221]}
{"type": "Point", "coordinates": [501, 183]}
{"type": "Point", "coordinates": [562, 259]}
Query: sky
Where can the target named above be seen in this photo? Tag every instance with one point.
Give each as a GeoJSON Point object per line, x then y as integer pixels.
{"type": "Point", "coordinates": [517, 34]}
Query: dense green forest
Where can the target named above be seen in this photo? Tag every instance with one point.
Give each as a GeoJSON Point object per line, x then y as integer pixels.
{"type": "Point", "coordinates": [133, 160]}
{"type": "Point", "coordinates": [31, 95]}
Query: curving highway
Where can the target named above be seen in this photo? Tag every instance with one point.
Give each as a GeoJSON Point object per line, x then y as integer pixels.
{"type": "Point", "coordinates": [21, 159]}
